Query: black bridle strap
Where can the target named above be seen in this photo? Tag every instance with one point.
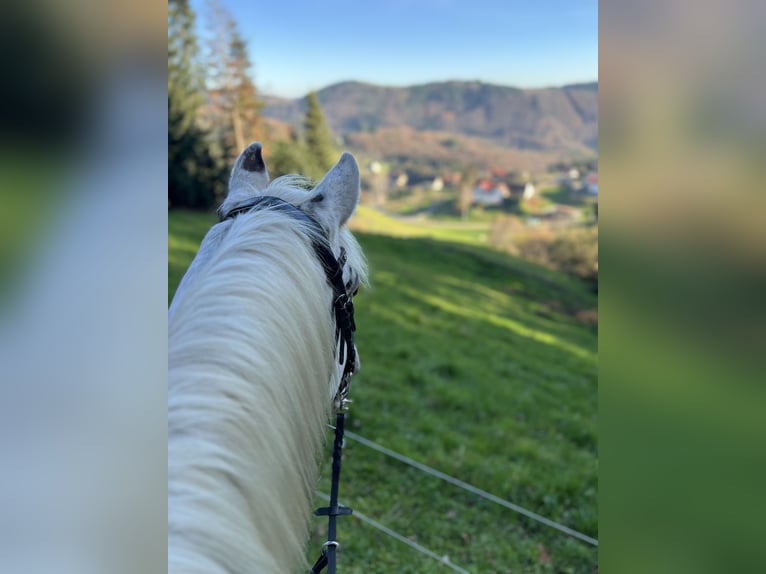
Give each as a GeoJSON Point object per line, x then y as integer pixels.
{"type": "Point", "coordinates": [343, 306]}
{"type": "Point", "coordinates": [329, 549]}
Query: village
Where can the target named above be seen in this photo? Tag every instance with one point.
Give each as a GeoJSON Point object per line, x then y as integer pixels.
{"type": "Point", "coordinates": [565, 194]}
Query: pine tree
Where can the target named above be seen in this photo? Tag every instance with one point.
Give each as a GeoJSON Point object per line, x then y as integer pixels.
{"type": "Point", "coordinates": [195, 177]}
{"type": "Point", "coordinates": [184, 80]}
{"type": "Point", "coordinates": [289, 156]}
{"type": "Point", "coordinates": [318, 137]}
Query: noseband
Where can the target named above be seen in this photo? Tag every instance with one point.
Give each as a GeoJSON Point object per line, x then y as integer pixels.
{"type": "Point", "coordinates": [343, 306]}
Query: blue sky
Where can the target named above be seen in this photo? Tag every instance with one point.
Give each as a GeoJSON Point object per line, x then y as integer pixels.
{"type": "Point", "coordinates": [298, 46]}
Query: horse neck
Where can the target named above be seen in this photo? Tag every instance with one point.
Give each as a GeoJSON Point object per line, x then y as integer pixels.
{"type": "Point", "coordinates": [250, 360]}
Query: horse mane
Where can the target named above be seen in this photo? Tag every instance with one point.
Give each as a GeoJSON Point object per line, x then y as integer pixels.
{"type": "Point", "coordinates": [252, 372]}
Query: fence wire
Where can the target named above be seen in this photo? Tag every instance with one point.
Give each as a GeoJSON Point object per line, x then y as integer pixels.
{"type": "Point", "coordinates": [393, 534]}
{"type": "Point", "coordinates": [470, 488]}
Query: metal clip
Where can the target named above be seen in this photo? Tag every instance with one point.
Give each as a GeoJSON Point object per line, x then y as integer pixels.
{"type": "Point", "coordinates": [334, 543]}
{"type": "Point", "coordinates": [341, 404]}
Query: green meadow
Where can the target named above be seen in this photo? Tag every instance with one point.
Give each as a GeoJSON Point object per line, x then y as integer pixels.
{"type": "Point", "coordinates": [477, 364]}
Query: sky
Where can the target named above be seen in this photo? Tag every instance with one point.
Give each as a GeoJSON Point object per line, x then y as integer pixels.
{"type": "Point", "coordinates": [300, 45]}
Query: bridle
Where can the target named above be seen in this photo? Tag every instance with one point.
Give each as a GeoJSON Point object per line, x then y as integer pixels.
{"type": "Point", "coordinates": [343, 310]}
{"type": "Point", "coordinates": [343, 305]}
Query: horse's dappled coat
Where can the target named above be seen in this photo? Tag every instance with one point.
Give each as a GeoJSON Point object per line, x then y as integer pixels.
{"type": "Point", "coordinates": [252, 371]}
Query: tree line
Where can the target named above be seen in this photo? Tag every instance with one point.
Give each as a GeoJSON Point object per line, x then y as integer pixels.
{"type": "Point", "coordinates": [214, 111]}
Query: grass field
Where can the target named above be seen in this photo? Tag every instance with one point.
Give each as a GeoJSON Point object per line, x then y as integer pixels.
{"type": "Point", "coordinates": [474, 363]}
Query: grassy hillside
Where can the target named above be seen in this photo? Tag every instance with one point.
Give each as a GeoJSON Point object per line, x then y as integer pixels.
{"type": "Point", "coordinates": [473, 363]}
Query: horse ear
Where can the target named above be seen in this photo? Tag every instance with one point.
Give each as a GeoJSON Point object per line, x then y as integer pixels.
{"type": "Point", "coordinates": [335, 198]}
{"type": "Point", "coordinates": [249, 173]}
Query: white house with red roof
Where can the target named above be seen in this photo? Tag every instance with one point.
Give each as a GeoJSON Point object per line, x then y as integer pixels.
{"type": "Point", "coordinates": [591, 183]}
{"type": "Point", "coordinates": [486, 192]}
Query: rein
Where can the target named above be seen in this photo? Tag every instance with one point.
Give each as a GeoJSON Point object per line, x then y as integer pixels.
{"type": "Point", "coordinates": [343, 309]}
{"type": "Point", "coordinates": [332, 546]}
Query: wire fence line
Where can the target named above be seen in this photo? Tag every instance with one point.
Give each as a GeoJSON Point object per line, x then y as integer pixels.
{"type": "Point", "coordinates": [470, 488]}
{"type": "Point", "coordinates": [393, 534]}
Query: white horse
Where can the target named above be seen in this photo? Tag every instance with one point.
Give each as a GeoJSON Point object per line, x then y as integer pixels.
{"type": "Point", "coordinates": [253, 369]}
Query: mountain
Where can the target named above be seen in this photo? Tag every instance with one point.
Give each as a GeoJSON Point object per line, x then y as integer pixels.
{"type": "Point", "coordinates": [436, 120]}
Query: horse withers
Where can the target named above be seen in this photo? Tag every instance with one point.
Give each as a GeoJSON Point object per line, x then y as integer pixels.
{"type": "Point", "coordinates": [253, 365]}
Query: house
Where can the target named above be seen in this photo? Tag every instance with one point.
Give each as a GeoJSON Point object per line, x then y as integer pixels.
{"type": "Point", "coordinates": [523, 190]}
{"type": "Point", "coordinates": [591, 184]}
{"type": "Point", "coordinates": [574, 174]}
{"type": "Point", "coordinates": [488, 193]}
{"type": "Point", "coordinates": [400, 180]}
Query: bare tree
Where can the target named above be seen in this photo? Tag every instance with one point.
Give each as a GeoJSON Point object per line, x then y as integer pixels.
{"type": "Point", "coordinates": [464, 198]}
{"type": "Point", "coordinates": [233, 109]}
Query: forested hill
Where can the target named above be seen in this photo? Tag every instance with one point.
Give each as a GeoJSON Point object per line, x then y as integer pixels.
{"type": "Point", "coordinates": [558, 121]}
